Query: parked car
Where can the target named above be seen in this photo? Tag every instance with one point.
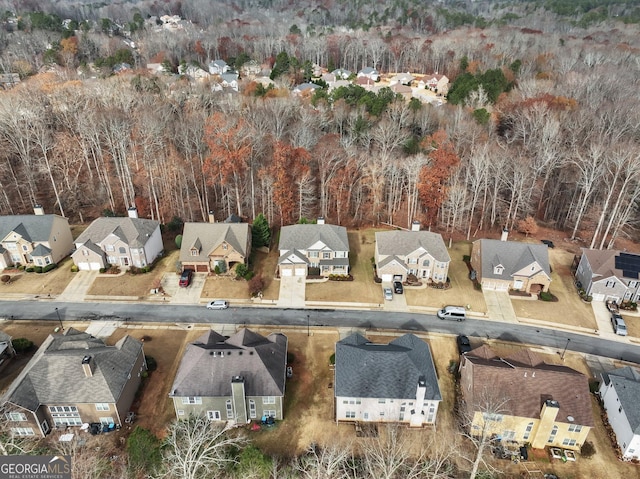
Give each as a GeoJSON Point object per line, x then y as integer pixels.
{"type": "Point", "coordinates": [619, 326]}
{"type": "Point", "coordinates": [218, 304]}
{"type": "Point", "coordinates": [464, 346]}
{"type": "Point", "coordinates": [397, 287]}
{"type": "Point", "coordinates": [456, 313]}
{"type": "Point", "coordinates": [388, 294]}
{"type": "Point", "coordinates": [549, 243]}
{"type": "Point", "coordinates": [185, 278]}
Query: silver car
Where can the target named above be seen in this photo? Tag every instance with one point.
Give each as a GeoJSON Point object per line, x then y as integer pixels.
{"type": "Point", "coordinates": [388, 294]}
{"type": "Point", "coordinates": [218, 304]}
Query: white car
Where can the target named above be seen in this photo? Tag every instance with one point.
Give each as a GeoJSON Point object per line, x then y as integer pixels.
{"type": "Point", "coordinates": [388, 294]}
{"type": "Point", "coordinates": [218, 304]}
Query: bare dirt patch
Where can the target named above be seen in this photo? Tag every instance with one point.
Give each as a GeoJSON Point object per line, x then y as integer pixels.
{"type": "Point", "coordinates": [50, 283]}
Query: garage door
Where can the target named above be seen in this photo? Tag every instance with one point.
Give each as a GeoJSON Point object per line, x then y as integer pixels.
{"type": "Point", "coordinates": [88, 266]}
{"type": "Point", "coordinates": [598, 297]}
{"type": "Point", "coordinates": [301, 271]}
{"type": "Point", "coordinates": [286, 272]}
{"type": "Point", "coordinates": [387, 277]}
{"type": "Point", "coordinates": [202, 268]}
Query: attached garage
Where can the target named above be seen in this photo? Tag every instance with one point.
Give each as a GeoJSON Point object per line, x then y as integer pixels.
{"type": "Point", "coordinates": [86, 266]}
{"type": "Point", "coordinates": [202, 268]}
{"type": "Point", "coordinates": [387, 278]}
{"type": "Point", "coordinates": [301, 271]}
{"type": "Point", "coordinates": [286, 272]}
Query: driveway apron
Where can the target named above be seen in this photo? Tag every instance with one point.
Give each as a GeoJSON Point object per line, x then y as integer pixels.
{"type": "Point", "coordinates": [292, 292]}
{"type": "Point", "coordinates": [78, 287]}
{"type": "Point", "coordinates": [499, 307]}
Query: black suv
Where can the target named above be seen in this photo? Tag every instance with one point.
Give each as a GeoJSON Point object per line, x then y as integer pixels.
{"type": "Point", "coordinates": [397, 287]}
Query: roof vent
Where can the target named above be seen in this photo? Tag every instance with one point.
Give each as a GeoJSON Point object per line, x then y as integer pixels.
{"type": "Point", "coordinates": [570, 418]}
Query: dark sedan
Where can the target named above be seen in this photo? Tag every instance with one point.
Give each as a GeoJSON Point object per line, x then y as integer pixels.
{"type": "Point", "coordinates": [464, 346]}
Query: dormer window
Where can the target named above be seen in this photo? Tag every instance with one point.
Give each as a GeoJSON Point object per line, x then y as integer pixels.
{"type": "Point", "coordinates": [224, 246]}
{"type": "Point", "coordinates": [194, 252]}
{"type": "Point", "coordinates": [498, 269]}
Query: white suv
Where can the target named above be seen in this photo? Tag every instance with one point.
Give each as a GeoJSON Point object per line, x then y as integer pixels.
{"type": "Point", "coordinates": [218, 304]}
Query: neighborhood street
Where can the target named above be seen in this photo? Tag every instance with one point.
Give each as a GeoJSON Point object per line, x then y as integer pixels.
{"type": "Point", "coordinates": [185, 314]}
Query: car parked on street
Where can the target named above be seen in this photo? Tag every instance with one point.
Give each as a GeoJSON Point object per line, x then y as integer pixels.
{"type": "Point", "coordinates": [464, 345]}
{"type": "Point", "coordinates": [185, 278]}
{"type": "Point", "coordinates": [397, 287]}
{"type": "Point", "coordinates": [619, 326]}
{"type": "Point", "coordinates": [218, 304]}
{"type": "Point", "coordinates": [388, 294]}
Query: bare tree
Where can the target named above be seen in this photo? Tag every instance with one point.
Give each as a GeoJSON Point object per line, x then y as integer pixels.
{"type": "Point", "coordinates": [327, 462]}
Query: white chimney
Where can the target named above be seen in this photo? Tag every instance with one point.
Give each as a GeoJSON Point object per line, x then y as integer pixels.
{"type": "Point", "coordinates": [505, 234]}
{"type": "Point", "coordinates": [212, 218]}
{"type": "Point", "coordinates": [415, 225]}
{"type": "Point", "coordinates": [87, 366]}
{"type": "Point", "coordinates": [133, 212]}
{"type": "Point", "coordinates": [38, 210]}
{"type": "Point", "coordinates": [421, 392]}
{"type": "Point", "coordinates": [320, 220]}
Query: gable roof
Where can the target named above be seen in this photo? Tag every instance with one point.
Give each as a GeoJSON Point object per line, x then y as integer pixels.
{"type": "Point", "coordinates": [55, 374]}
{"type": "Point", "coordinates": [260, 360]}
{"type": "Point", "coordinates": [40, 250]}
{"type": "Point", "coordinates": [133, 231]}
{"type": "Point", "coordinates": [603, 263]}
{"type": "Point", "coordinates": [208, 236]}
{"type": "Point", "coordinates": [512, 255]}
{"type": "Point", "coordinates": [527, 382]}
{"type": "Point", "coordinates": [626, 382]}
{"type": "Point", "coordinates": [302, 237]}
{"type": "Point", "coordinates": [390, 371]}
{"type": "Point", "coordinates": [32, 228]}
{"type": "Point", "coordinates": [402, 243]}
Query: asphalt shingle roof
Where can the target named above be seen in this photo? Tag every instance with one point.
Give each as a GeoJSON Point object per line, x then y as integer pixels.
{"type": "Point", "coordinates": [55, 374]}
{"type": "Point", "coordinates": [133, 231]}
{"type": "Point", "coordinates": [390, 371]}
{"type": "Point", "coordinates": [513, 256]}
{"type": "Point", "coordinates": [208, 236]}
{"type": "Point", "coordinates": [33, 228]}
{"type": "Point", "coordinates": [626, 382]}
{"type": "Point", "coordinates": [402, 243]}
{"type": "Point", "coordinates": [205, 372]}
{"type": "Point", "coordinates": [303, 237]}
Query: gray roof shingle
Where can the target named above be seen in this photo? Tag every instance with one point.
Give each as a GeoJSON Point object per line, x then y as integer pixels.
{"type": "Point", "coordinates": [55, 374]}
{"type": "Point", "coordinates": [208, 236]}
{"type": "Point", "coordinates": [390, 371]}
{"type": "Point", "coordinates": [513, 256]}
{"type": "Point", "coordinates": [626, 382]}
{"type": "Point", "coordinates": [33, 228]}
{"type": "Point", "coordinates": [303, 237]}
{"type": "Point", "coordinates": [210, 362]}
{"type": "Point", "coordinates": [402, 243]}
{"type": "Point", "coordinates": [133, 231]}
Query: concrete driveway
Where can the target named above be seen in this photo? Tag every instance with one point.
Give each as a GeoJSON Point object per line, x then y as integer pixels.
{"type": "Point", "coordinates": [499, 307]}
{"type": "Point", "coordinates": [398, 303]}
{"type": "Point", "coordinates": [189, 295]}
{"type": "Point", "coordinates": [603, 319]}
{"type": "Point", "coordinates": [78, 287]}
{"type": "Point", "coordinates": [292, 292]}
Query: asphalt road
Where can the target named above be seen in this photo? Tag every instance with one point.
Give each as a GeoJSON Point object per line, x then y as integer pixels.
{"type": "Point", "coordinates": [166, 313]}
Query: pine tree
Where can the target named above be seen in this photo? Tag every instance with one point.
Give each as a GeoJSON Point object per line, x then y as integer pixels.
{"type": "Point", "coordinates": [261, 234]}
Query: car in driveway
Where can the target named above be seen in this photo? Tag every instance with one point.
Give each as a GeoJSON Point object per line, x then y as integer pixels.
{"type": "Point", "coordinates": [218, 304]}
{"type": "Point", "coordinates": [397, 287]}
{"type": "Point", "coordinates": [388, 294]}
{"type": "Point", "coordinates": [185, 278]}
{"type": "Point", "coordinates": [619, 326]}
{"type": "Point", "coordinates": [464, 345]}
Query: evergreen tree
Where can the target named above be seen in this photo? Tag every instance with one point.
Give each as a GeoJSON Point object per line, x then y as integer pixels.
{"type": "Point", "coordinates": [260, 233]}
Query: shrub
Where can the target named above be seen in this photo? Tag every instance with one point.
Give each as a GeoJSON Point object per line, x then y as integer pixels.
{"type": "Point", "coordinates": [587, 450]}
{"type": "Point", "coordinates": [21, 267]}
{"type": "Point", "coordinates": [251, 462]}
{"type": "Point", "coordinates": [103, 270]}
{"type": "Point", "coordinates": [466, 258]}
{"type": "Point", "coordinates": [242, 271]}
{"type": "Point", "coordinates": [74, 268]}
{"type": "Point", "coordinates": [179, 241]}
{"type": "Point", "coordinates": [143, 448]}
{"type": "Point", "coordinates": [5, 278]}
{"type": "Point", "coordinates": [30, 269]}
{"type": "Point", "coordinates": [49, 267]}
{"type": "Point", "coordinates": [152, 365]}
{"type": "Point", "coordinates": [332, 359]}
{"type": "Point", "coordinates": [21, 344]}
{"type": "Point", "coordinates": [38, 269]}
{"type": "Point", "coordinates": [256, 285]}
{"type": "Point", "coordinates": [216, 270]}
{"type": "Point", "coordinates": [546, 296]}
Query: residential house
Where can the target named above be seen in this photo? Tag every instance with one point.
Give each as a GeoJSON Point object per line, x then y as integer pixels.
{"type": "Point", "coordinates": [619, 392]}
{"type": "Point", "coordinates": [250, 68]}
{"type": "Point", "coordinates": [523, 399]}
{"type": "Point", "coordinates": [9, 80]}
{"type": "Point", "coordinates": [435, 82]}
{"type": "Point", "coordinates": [395, 382]}
{"type": "Point", "coordinates": [502, 265]}
{"type": "Point", "coordinates": [338, 84]}
{"type": "Point", "coordinates": [402, 79]}
{"type": "Point", "coordinates": [419, 253]}
{"type": "Point", "coordinates": [37, 239]}
{"type": "Point", "coordinates": [124, 242]}
{"type": "Point", "coordinates": [306, 89]}
{"type": "Point", "coordinates": [236, 379]}
{"type": "Point", "coordinates": [369, 72]}
{"type": "Point", "coordinates": [218, 67]}
{"type": "Point", "coordinates": [366, 83]}
{"type": "Point", "coordinates": [341, 73]}
{"type": "Point", "coordinates": [329, 78]}
{"type": "Point", "coordinates": [229, 80]}
{"type": "Point", "coordinates": [6, 349]}
{"type": "Point", "coordinates": [193, 71]}
{"type": "Point", "coordinates": [610, 274]}
{"type": "Point", "coordinates": [323, 247]}
{"type": "Point", "coordinates": [73, 379]}
{"type": "Point", "coordinates": [400, 89]}
{"type": "Point", "coordinates": [206, 246]}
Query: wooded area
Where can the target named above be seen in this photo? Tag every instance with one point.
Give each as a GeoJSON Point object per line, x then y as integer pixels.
{"type": "Point", "coordinates": [545, 124]}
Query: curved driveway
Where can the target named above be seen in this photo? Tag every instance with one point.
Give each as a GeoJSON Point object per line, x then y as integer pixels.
{"type": "Point", "coordinates": [172, 314]}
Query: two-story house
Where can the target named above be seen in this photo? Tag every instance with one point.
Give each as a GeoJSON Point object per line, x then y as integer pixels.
{"type": "Point", "coordinates": [420, 253]}
{"type": "Point", "coordinates": [206, 246]}
{"type": "Point", "coordinates": [394, 382]}
{"type": "Point", "coordinates": [313, 249]}
{"type": "Point", "coordinates": [235, 379]}
{"type": "Point", "coordinates": [73, 379]}
{"type": "Point", "coordinates": [502, 265]}
{"type": "Point", "coordinates": [523, 399]}
{"type": "Point", "coordinates": [610, 274]}
{"type": "Point", "coordinates": [619, 392]}
{"type": "Point", "coordinates": [124, 242]}
{"type": "Point", "coordinates": [37, 239]}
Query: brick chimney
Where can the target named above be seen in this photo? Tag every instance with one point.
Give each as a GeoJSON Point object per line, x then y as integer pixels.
{"type": "Point", "coordinates": [38, 210]}
{"type": "Point", "coordinates": [88, 366]}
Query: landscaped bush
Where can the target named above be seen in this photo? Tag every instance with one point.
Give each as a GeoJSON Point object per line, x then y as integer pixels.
{"type": "Point", "coordinates": [103, 270]}
{"type": "Point", "coordinates": [340, 277]}
{"type": "Point", "coordinates": [256, 285]}
{"type": "Point", "coordinates": [21, 344]}
{"type": "Point", "coordinates": [74, 268]}
{"type": "Point", "coordinates": [143, 449]}
{"type": "Point", "coordinates": [466, 258]}
{"type": "Point", "coordinates": [545, 296]}
{"type": "Point", "coordinates": [587, 450]}
{"type": "Point", "coordinates": [49, 267]}
{"type": "Point", "coordinates": [242, 271]}
{"type": "Point", "coordinates": [152, 364]}
{"type": "Point", "coordinates": [332, 359]}
{"type": "Point", "coordinates": [38, 269]}
{"type": "Point", "coordinates": [30, 269]}
{"type": "Point", "coordinates": [5, 278]}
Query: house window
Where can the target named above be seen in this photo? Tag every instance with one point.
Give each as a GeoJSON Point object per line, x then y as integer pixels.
{"type": "Point", "coordinates": [45, 427]}
{"type": "Point", "coordinates": [194, 252]}
{"type": "Point", "coordinates": [633, 284]}
{"type": "Point", "coordinates": [106, 421]}
{"type": "Point", "coordinates": [350, 414]}
{"type": "Point", "coordinates": [509, 435]}
{"type": "Point", "coordinates": [313, 254]}
{"type": "Point", "coordinates": [213, 415]}
{"type": "Point", "coordinates": [412, 261]}
{"type": "Point", "coordinates": [426, 262]}
{"type": "Point", "coordinates": [15, 416]}
{"type": "Point", "coordinates": [610, 284]}
{"type": "Point", "coordinates": [431, 413]}
{"type": "Point", "coordinates": [109, 247]}
{"type": "Point", "coordinates": [180, 412]}
{"type": "Point", "coordinates": [575, 428]}
{"type": "Point", "coordinates": [39, 261]}
{"type": "Point", "coordinates": [25, 247]}
{"type": "Point", "coordinates": [252, 409]}
{"type": "Point", "coordinates": [85, 252]}
{"type": "Point", "coordinates": [229, 409]}
{"type": "Point", "coordinates": [568, 442]}
{"type": "Point", "coordinates": [224, 246]}
{"type": "Point", "coordinates": [552, 437]}
{"type": "Point", "coordinates": [122, 250]}
{"type": "Point", "coordinates": [191, 400]}
{"type": "Point", "coordinates": [498, 270]}
{"type": "Point", "coordinates": [527, 431]}
{"type": "Point", "coordinates": [492, 417]}
{"type": "Point", "coordinates": [22, 431]}
{"type": "Point", "coordinates": [620, 409]}
{"type": "Point", "coordinates": [381, 413]}
{"type": "Point", "coordinates": [269, 413]}
{"type": "Point", "coordinates": [269, 400]}
{"type": "Point", "coordinates": [382, 401]}
{"type": "Point", "coordinates": [102, 406]}
{"type": "Point", "coordinates": [47, 260]}
{"type": "Point", "coordinates": [326, 255]}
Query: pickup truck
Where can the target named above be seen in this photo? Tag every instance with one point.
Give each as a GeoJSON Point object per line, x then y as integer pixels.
{"type": "Point", "coordinates": [612, 306]}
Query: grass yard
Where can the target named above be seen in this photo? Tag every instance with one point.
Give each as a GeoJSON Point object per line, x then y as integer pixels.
{"type": "Point", "coordinates": [52, 282]}
{"type": "Point", "coordinates": [363, 289]}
